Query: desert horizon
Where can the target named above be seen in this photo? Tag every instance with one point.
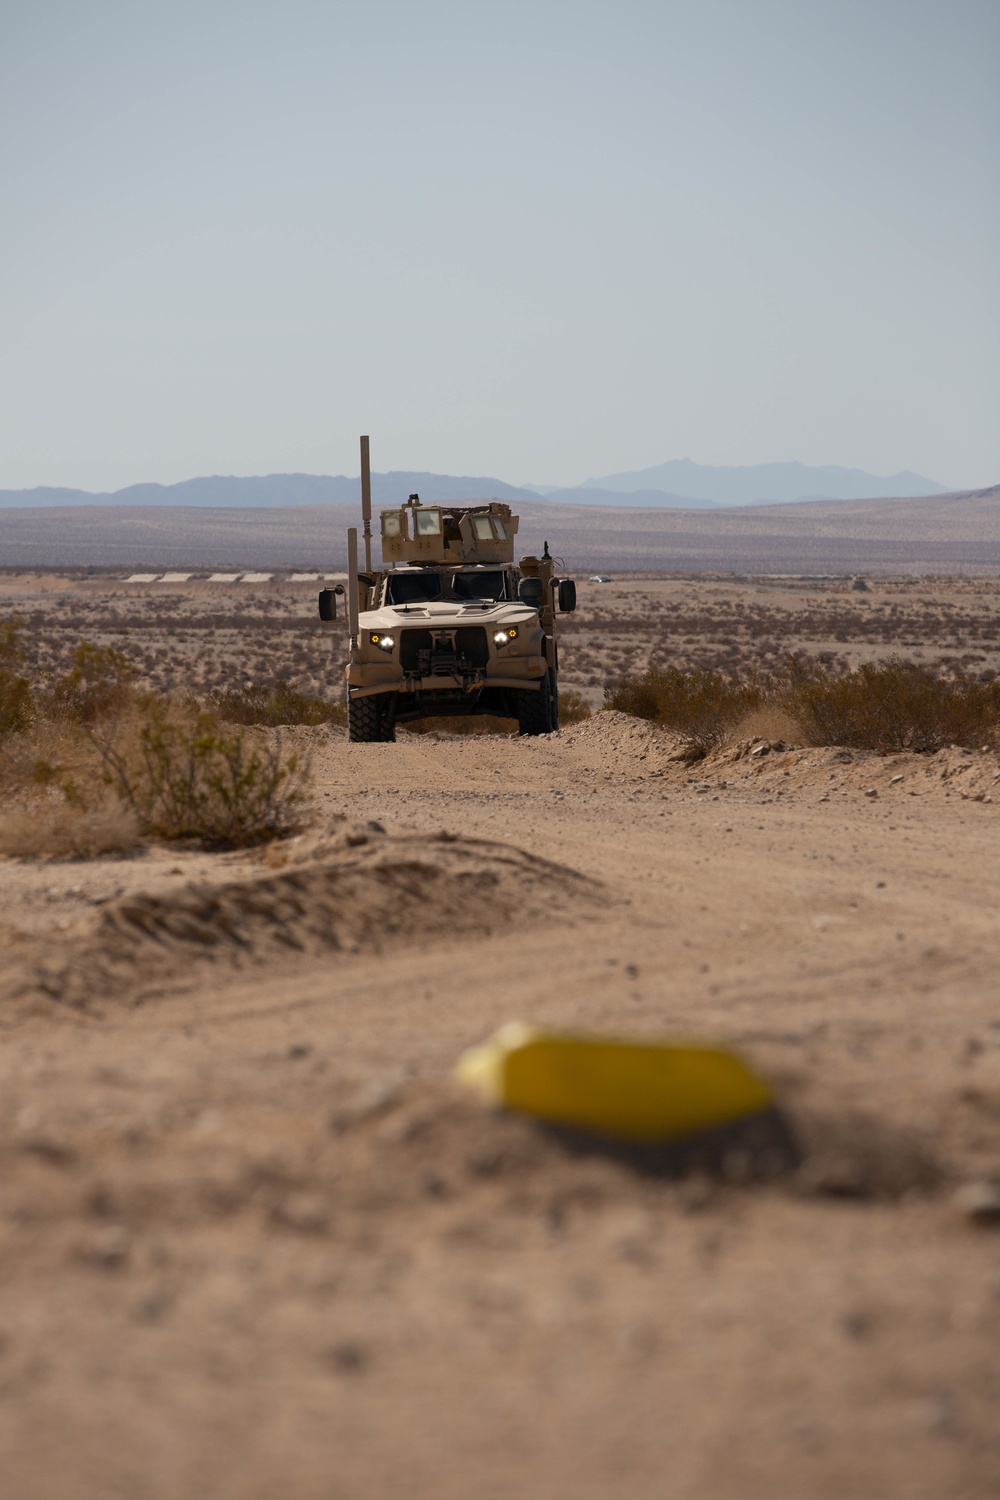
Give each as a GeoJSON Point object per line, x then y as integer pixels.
{"type": "Point", "coordinates": [957, 532]}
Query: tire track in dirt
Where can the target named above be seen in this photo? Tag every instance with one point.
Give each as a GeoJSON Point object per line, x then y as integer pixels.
{"type": "Point", "coordinates": [382, 892]}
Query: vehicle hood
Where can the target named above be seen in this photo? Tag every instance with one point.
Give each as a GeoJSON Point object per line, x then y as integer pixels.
{"type": "Point", "coordinates": [442, 614]}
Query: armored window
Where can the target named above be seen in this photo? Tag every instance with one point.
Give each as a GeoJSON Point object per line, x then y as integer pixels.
{"type": "Point", "coordinates": [427, 522]}
{"type": "Point", "coordinates": [500, 529]}
{"type": "Point", "coordinates": [392, 523]}
{"type": "Point", "coordinates": [412, 588]}
{"type": "Point", "coordinates": [483, 529]}
{"type": "Point", "coordinates": [485, 585]}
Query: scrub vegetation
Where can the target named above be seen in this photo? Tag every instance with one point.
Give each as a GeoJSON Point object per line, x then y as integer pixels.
{"type": "Point", "coordinates": [91, 763]}
{"type": "Point", "coordinates": [888, 706]}
{"type": "Point", "coordinates": [274, 704]}
{"type": "Point", "coordinates": [90, 663]}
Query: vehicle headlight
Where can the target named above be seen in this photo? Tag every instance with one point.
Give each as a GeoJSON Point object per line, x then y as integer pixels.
{"type": "Point", "coordinates": [504, 637]}
{"type": "Point", "coordinates": [383, 642]}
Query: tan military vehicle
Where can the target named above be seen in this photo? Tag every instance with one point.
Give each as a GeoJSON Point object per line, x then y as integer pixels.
{"type": "Point", "coordinates": [449, 625]}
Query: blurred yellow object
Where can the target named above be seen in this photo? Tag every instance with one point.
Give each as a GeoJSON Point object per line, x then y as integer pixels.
{"type": "Point", "coordinates": [640, 1091]}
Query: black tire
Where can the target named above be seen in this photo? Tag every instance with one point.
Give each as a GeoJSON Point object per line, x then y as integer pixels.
{"type": "Point", "coordinates": [535, 710]}
{"type": "Point", "coordinates": [367, 722]}
{"type": "Point", "coordinates": [554, 689]}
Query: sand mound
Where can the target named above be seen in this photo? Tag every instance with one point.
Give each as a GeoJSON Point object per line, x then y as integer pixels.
{"type": "Point", "coordinates": [618, 747]}
{"type": "Point", "coordinates": [620, 744]}
{"type": "Point", "coordinates": [365, 892]}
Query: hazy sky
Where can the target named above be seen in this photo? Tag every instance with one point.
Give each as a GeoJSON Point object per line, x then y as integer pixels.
{"type": "Point", "coordinates": [540, 240]}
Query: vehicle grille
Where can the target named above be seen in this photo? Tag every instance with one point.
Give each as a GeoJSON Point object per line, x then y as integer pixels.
{"type": "Point", "coordinates": [444, 653]}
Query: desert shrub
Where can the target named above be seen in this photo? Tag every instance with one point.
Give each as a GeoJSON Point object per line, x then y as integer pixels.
{"type": "Point", "coordinates": [16, 703]}
{"type": "Point", "coordinates": [98, 683]}
{"type": "Point", "coordinates": [885, 706]}
{"type": "Point", "coordinates": [47, 754]}
{"type": "Point", "coordinates": [185, 776]}
{"type": "Point", "coordinates": [894, 705]}
{"type": "Point", "coordinates": [703, 707]}
{"type": "Point", "coordinates": [573, 707]}
{"type": "Point", "coordinates": [280, 703]}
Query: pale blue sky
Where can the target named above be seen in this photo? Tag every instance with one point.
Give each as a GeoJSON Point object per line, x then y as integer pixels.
{"type": "Point", "coordinates": [541, 240]}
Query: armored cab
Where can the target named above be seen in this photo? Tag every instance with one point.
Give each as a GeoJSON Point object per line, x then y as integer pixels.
{"type": "Point", "coordinates": [449, 625]}
{"type": "Point", "coordinates": [438, 535]}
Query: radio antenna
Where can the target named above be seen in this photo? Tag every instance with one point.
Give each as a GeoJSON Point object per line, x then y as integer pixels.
{"type": "Point", "coordinates": [366, 502]}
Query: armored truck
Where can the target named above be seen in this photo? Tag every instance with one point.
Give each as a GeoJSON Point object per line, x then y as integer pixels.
{"type": "Point", "coordinates": [449, 625]}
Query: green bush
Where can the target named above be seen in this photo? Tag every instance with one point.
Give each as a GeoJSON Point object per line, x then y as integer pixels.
{"type": "Point", "coordinates": [16, 702]}
{"type": "Point", "coordinates": [280, 703]}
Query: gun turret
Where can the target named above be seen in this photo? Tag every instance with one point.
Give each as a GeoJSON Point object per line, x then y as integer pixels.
{"type": "Point", "coordinates": [456, 534]}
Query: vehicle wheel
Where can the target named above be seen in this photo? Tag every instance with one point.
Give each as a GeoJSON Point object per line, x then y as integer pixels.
{"type": "Point", "coordinates": [366, 722]}
{"type": "Point", "coordinates": [555, 700]}
{"type": "Point", "coordinates": [534, 710]}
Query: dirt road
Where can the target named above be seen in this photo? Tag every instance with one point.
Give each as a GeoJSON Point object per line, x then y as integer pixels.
{"type": "Point", "coordinates": [254, 1244]}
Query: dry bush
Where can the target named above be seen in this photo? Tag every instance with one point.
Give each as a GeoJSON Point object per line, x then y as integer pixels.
{"type": "Point", "coordinates": [573, 708]}
{"type": "Point", "coordinates": [185, 776]}
{"type": "Point", "coordinates": [15, 691]}
{"type": "Point", "coordinates": [281, 703]}
{"type": "Point", "coordinates": [885, 706]}
{"type": "Point", "coordinates": [99, 683]}
{"type": "Point", "coordinates": [894, 705]}
{"type": "Point", "coordinates": [48, 754]}
{"type": "Point", "coordinates": [117, 763]}
{"type": "Point", "coordinates": [702, 707]}
{"type": "Point", "coordinates": [60, 830]}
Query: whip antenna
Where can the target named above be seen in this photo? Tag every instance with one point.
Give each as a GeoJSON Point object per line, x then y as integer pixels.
{"type": "Point", "coordinates": [366, 502]}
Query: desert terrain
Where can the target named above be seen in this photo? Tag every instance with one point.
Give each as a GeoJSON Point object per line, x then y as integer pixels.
{"type": "Point", "coordinates": [955, 533]}
{"type": "Point", "coordinates": [254, 1239]}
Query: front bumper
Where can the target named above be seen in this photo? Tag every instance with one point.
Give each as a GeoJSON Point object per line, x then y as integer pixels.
{"type": "Point", "coordinates": [365, 679]}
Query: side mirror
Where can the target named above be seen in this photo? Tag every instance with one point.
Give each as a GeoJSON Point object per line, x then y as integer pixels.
{"type": "Point", "coordinates": [567, 596]}
{"type": "Point", "coordinates": [328, 602]}
{"type": "Point", "coordinates": [531, 591]}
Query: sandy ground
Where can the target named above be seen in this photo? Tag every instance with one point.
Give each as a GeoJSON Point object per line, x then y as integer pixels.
{"type": "Point", "coordinates": [254, 1242]}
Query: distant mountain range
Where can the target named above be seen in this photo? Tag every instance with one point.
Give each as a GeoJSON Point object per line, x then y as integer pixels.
{"type": "Point", "coordinates": [951, 533]}
{"type": "Point", "coordinates": [760, 484]}
{"type": "Point", "coordinates": [230, 490]}
{"type": "Point", "coordinates": [679, 484]}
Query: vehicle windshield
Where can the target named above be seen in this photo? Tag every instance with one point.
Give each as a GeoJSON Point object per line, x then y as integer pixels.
{"type": "Point", "coordinates": [479, 585]}
{"type": "Point", "coordinates": [424, 587]}
{"type": "Point", "coordinates": [412, 588]}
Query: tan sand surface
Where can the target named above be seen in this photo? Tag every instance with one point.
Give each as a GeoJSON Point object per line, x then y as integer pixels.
{"type": "Point", "coordinates": [255, 1244]}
